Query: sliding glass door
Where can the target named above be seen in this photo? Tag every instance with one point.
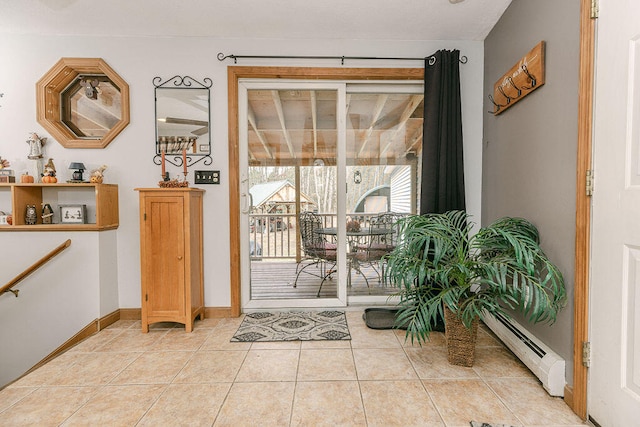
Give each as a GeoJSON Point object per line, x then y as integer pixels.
{"type": "Point", "coordinates": [300, 144]}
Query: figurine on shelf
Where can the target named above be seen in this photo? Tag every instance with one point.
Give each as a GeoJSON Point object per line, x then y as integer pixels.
{"type": "Point", "coordinates": [36, 153]}
{"type": "Point", "coordinates": [25, 178]}
{"type": "Point", "coordinates": [97, 175]}
{"type": "Point", "coordinates": [47, 214]}
{"type": "Point", "coordinates": [6, 174]}
{"type": "Point", "coordinates": [35, 146]}
{"type": "Point", "coordinates": [49, 174]}
{"type": "Point", "coordinates": [30, 215]}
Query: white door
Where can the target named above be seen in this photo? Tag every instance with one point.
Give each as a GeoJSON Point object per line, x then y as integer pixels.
{"type": "Point", "coordinates": [614, 376]}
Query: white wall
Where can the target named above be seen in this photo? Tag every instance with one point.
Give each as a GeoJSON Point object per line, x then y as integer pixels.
{"type": "Point", "coordinates": [530, 152]}
{"type": "Point", "coordinates": [57, 300]}
{"type": "Point", "coordinates": [129, 157]}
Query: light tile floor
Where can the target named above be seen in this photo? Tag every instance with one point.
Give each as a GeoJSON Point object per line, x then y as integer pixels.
{"type": "Point", "coordinates": [122, 377]}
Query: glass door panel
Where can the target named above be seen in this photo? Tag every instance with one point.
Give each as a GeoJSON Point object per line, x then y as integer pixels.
{"type": "Point", "coordinates": [291, 181]}
{"type": "Point", "coordinates": [384, 137]}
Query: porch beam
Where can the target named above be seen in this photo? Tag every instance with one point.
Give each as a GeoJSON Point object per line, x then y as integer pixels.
{"type": "Point", "coordinates": [277, 102]}
{"type": "Point", "coordinates": [252, 121]}
{"type": "Point", "coordinates": [380, 102]}
{"type": "Point", "coordinates": [413, 103]}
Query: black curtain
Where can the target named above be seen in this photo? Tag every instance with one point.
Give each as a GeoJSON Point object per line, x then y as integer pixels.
{"type": "Point", "coordinates": [442, 184]}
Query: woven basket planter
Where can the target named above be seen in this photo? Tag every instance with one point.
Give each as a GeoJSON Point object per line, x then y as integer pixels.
{"type": "Point", "coordinates": [461, 342]}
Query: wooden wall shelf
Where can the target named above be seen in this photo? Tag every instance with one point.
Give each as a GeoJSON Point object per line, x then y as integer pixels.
{"type": "Point", "coordinates": [101, 201]}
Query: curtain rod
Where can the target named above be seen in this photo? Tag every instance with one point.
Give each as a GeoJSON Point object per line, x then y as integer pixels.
{"type": "Point", "coordinates": [432, 59]}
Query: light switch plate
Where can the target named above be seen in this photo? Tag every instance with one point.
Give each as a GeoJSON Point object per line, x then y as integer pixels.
{"type": "Point", "coordinates": [207, 177]}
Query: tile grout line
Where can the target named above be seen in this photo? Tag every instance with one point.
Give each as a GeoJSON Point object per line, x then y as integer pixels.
{"type": "Point", "coordinates": [355, 367]}
{"type": "Point", "coordinates": [404, 349]}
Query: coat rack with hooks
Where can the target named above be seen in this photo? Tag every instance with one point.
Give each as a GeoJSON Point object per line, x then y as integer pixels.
{"type": "Point", "coordinates": [522, 79]}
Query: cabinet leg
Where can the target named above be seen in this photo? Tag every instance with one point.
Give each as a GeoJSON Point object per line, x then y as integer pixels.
{"type": "Point", "coordinates": [145, 328]}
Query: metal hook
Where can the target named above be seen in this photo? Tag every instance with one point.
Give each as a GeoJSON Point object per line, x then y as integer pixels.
{"type": "Point", "coordinates": [507, 97]}
{"type": "Point", "coordinates": [510, 80]}
{"type": "Point", "coordinates": [530, 76]}
{"type": "Point", "coordinates": [498, 106]}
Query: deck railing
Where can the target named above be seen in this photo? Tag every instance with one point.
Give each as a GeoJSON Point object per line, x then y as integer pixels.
{"type": "Point", "coordinates": [273, 236]}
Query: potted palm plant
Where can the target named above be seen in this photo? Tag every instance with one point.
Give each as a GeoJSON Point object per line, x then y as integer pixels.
{"type": "Point", "coordinates": [442, 269]}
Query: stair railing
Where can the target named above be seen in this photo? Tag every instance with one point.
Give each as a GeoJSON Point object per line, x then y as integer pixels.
{"type": "Point", "coordinates": [8, 287]}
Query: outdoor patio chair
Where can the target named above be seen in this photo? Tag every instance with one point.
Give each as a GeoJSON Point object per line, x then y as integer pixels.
{"type": "Point", "coordinates": [319, 255]}
{"type": "Point", "coordinates": [382, 239]}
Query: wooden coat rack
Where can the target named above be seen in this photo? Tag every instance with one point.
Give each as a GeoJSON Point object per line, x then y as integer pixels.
{"type": "Point", "coordinates": [522, 79]}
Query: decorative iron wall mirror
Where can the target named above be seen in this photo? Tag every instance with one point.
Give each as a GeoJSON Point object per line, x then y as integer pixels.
{"type": "Point", "coordinates": [183, 120]}
{"type": "Point", "coordinates": [82, 103]}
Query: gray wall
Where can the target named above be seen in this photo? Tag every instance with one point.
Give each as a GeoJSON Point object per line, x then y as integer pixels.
{"type": "Point", "coordinates": [530, 150]}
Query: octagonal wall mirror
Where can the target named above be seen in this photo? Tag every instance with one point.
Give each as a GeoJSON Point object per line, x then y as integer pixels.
{"type": "Point", "coordinates": [183, 120]}
{"type": "Point", "coordinates": [82, 103]}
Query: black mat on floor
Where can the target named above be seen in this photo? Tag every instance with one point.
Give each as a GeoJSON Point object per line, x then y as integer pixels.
{"type": "Point", "coordinates": [384, 318]}
{"type": "Point", "coordinates": [381, 318]}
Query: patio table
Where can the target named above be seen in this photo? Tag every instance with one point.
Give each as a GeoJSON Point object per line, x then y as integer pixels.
{"type": "Point", "coordinates": [354, 239]}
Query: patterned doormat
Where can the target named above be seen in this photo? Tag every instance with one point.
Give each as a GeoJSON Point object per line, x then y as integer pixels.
{"type": "Point", "coordinates": [292, 326]}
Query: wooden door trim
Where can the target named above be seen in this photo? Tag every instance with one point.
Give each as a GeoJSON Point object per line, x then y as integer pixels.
{"type": "Point", "coordinates": [234, 74]}
{"type": "Point", "coordinates": [578, 395]}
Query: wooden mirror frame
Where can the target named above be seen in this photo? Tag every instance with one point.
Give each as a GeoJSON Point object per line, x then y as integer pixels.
{"type": "Point", "coordinates": [56, 80]}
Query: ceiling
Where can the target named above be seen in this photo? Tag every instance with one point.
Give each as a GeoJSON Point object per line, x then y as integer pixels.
{"type": "Point", "coordinates": [291, 19]}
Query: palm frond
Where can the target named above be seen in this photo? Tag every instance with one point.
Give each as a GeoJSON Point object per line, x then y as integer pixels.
{"type": "Point", "coordinates": [439, 262]}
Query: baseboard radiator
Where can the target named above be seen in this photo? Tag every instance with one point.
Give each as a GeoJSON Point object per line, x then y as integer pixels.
{"type": "Point", "coordinates": [548, 366]}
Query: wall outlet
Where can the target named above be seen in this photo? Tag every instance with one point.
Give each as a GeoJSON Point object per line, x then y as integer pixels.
{"type": "Point", "coordinates": [207, 177]}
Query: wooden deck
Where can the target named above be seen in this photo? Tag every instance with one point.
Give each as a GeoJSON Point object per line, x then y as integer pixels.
{"type": "Point", "coordinates": [272, 279]}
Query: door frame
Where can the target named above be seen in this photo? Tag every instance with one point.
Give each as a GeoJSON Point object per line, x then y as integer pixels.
{"type": "Point", "coordinates": [576, 396]}
{"type": "Point", "coordinates": [234, 74]}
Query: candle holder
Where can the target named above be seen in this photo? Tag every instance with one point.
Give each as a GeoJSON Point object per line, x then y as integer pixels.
{"type": "Point", "coordinates": [173, 183]}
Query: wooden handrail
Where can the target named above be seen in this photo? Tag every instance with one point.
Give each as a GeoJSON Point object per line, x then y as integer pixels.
{"type": "Point", "coordinates": [34, 267]}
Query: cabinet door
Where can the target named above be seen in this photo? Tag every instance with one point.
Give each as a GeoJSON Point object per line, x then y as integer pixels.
{"type": "Point", "coordinates": [165, 263]}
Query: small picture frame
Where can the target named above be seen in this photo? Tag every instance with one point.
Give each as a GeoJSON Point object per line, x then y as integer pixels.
{"type": "Point", "coordinates": [73, 214]}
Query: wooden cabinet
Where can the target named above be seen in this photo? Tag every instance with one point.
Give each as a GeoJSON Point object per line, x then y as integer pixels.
{"type": "Point", "coordinates": [100, 200]}
{"type": "Point", "coordinates": [171, 255]}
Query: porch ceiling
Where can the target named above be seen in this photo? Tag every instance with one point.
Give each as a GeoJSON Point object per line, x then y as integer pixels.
{"type": "Point", "coordinates": [297, 127]}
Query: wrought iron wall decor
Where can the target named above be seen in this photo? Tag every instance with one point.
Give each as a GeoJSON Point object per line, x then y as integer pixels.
{"type": "Point", "coordinates": [522, 79]}
{"type": "Point", "coordinates": [183, 121]}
